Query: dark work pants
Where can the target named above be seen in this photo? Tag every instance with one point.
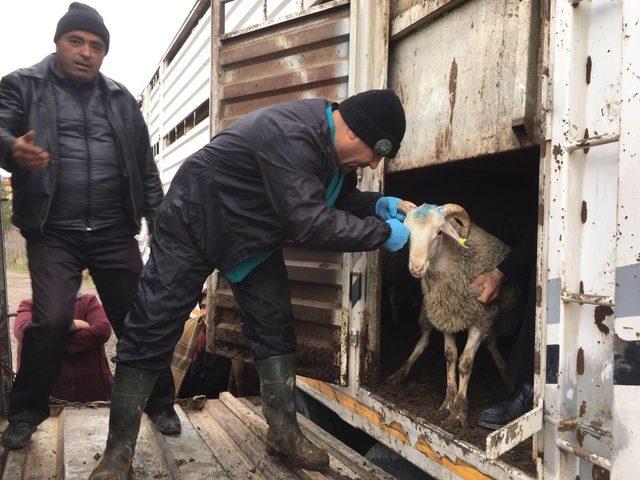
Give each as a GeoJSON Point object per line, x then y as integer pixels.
{"type": "Point", "coordinates": [56, 260]}
{"type": "Point", "coordinates": [170, 285]}
{"type": "Point", "coordinates": [520, 361]}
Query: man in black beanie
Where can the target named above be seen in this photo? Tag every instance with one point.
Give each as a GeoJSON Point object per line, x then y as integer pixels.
{"type": "Point", "coordinates": [83, 175]}
{"type": "Point", "coordinates": [284, 173]}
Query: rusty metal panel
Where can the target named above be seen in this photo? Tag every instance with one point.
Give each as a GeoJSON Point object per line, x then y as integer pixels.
{"type": "Point", "coordinates": [317, 303]}
{"type": "Point", "coordinates": [464, 70]}
{"type": "Point", "coordinates": [304, 56]}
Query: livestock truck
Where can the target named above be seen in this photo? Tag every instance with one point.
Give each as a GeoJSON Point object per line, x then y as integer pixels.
{"type": "Point", "coordinates": [512, 105]}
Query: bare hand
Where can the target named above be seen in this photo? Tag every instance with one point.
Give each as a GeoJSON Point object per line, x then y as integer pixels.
{"type": "Point", "coordinates": [79, 325]}
{"type": "Point", "coordinates": [406, 206]}
{"type": "Point", "coordinates": [490, 283]}
{"type": "Point", "coordinates": [26, 154]}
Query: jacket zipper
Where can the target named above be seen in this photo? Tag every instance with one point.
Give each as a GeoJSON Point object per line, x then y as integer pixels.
{"type": "Point", "coordinates": [54, 155]}
{"type": "Point", "coordinates": [86, 142]}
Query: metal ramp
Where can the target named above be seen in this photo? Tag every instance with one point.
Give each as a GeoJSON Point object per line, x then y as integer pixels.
{"type": "Point", "coordinates": [221, 439]}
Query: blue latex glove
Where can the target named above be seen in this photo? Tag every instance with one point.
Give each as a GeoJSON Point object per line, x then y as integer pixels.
{"type": "Point", "coordinates": [399, 235]}
{"type": "Point", "coordinates": [387, 208]}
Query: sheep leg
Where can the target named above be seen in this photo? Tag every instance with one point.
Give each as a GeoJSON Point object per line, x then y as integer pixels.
{"type": "Point", "coordinates": [451, 356]}
{"type": "Point", "coordinates": [492, 346]}
{"type": "Point", "coordinates": [403, 371]}
{"type": "Point", "coordinates": [459, 412]}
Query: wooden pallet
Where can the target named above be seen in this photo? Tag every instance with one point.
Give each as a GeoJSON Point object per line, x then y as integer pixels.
{"type": "Point", "coordinates": [223, 440]}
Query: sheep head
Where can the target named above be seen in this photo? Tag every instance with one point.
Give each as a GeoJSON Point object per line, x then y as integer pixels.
{"type": "Point", "coordinates": [427, 224]}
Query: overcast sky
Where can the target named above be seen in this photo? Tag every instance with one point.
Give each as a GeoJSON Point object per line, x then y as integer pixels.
{"type": "Point", "coordinates": [140, 31]}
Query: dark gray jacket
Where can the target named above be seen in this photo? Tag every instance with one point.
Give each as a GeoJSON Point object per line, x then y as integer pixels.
{"type": "Point", "coordinates": [261, 182]}
{"type": "Point", "coordinates": [27, 103]}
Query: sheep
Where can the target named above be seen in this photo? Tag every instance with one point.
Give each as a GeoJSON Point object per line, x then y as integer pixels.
{"type": "Point", "coordinates": [447, 264]}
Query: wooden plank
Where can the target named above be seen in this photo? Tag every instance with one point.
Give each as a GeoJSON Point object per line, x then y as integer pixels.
{"type": "Point", "coordinates": [225, 450]}
{"type": "Point", "coordinates": [14, 464]}
{"type": "Point", "coordinates": [349, 458]}
{"type": "Point", "coordinates": [259, 427]}
{"type": "Point", "coordinates": [252, 446]}
{"type": "Point", "coordinates": [188, 453]}
{"type": "Point", "coordinates": [83, 435]}
{"type": "Point", "coordinates": [41, 462]}
{"type": "Point", "coordinates": [352, 459]}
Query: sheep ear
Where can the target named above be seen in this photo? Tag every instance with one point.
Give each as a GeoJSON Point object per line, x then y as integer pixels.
{"type": "Point", "coordinates": [449, 230]}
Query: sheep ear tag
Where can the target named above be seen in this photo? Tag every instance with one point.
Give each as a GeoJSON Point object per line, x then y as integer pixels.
{"type": "Point", "coordinates": [449, 230]}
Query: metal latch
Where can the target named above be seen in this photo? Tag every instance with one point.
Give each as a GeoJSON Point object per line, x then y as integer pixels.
{"type": "Point", "coordinates": [355, 290]}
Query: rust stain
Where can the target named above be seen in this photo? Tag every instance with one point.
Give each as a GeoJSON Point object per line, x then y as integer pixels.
{"type": "Point", "coordinates": [536, 363]}
{"type": "Point", "coordinates": [538, 295]}
{"type": "Point", "coordinates": [599, 473]}
{"type": "Point", "coordinates": [583, 408]}
{"type": "Point", "coordinates": [394, 428]}
{"type": "Point", "coordinates": [599, 315]}
{"type": "Point", "coordinates": [580, 436]}
{"type": "Point", "coordinates": [459, 467]}
{"type": "Point", "coordinates": [581, 288]}
{"type": "Point", "coordinates": [589, 66]}
{"type": "Point", "coordinates": [453, 87]}
{"type": "Point", "coordinates": [583, 212]}
{"type": "Point", "coordinates": [580, 362]}
{"type": "Point", "coordinates": [585, 137]}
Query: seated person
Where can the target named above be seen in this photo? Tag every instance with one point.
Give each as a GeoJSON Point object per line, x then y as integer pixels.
{"type": "Point", "coordinates": [208, 373]}
{"type": "Point", "coordinates": [84, 374]}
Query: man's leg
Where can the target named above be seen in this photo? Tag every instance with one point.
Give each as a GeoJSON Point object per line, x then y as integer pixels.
{"type": "Point", "coordinates": [519, 369]}
{"type": "Point", "coordinates": [55, 266]}
{"type": "Point", "coordinates": [264, 300]}
{"type": "Point", "coordinates": [169, 287]}
{"type": "Point", "coordinates": [115, 265]}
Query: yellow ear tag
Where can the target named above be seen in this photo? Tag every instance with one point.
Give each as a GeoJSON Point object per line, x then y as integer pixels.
{"type": "Point", "coordinates": [463, 242]}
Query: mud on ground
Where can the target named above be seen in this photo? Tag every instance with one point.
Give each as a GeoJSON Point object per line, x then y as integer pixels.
{"type": "Point", "coordinates": [423, 391]}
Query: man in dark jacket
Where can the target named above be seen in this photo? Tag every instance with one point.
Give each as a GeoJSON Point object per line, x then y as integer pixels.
{"type": "Point", "coordinates": [83, 175]}
{"type": "Point", "coordinates": [84, 375]}
{"type": "Point", "coordinates": [284, 173]}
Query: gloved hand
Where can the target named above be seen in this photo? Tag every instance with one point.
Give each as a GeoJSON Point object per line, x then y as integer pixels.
{"type": "Point", "coordinates": [387, 208]}
{"type": "Point", "coordinates": [399, 235]}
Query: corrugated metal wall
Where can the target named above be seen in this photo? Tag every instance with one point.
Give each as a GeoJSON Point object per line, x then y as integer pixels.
{"type": "Point", "coordinates": [182, 84]}
{"type": "Point", "coordinates": [301, 57]}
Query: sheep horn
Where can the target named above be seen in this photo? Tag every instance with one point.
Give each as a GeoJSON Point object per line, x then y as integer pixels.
{"type": "Point", "coordinates": [452, 210]}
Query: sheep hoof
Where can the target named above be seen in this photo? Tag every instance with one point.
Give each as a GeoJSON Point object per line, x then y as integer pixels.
{"type": "Point", "coordinates": [455, 421]}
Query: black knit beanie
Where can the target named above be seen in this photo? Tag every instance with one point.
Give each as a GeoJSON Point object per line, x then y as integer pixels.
{"type": "Point", "coordinates": [82, 17]}
{"type": "Point", "coordinates": [377, 118]}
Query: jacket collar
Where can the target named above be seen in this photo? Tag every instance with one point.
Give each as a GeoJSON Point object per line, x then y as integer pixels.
{"type": "Point", "coordinates": [41, 70]}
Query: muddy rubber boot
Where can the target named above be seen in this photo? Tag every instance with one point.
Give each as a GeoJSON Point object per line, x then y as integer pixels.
{"type": "Point", "coordinates": [131, 389]}
{"type": "Point", "coordinates": [284, 437]}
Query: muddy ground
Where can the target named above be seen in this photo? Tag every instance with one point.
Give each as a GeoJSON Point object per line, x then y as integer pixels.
{"type": "Point", "coordinates": [424, 390]}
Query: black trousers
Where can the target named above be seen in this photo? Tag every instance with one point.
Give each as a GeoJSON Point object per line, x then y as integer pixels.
{"type": "Point", "coordinates": [520, 360]}
{"type": "Point", "coordinates": [56, 260]}
{"type": "Point", "coordinates": [170, 285]}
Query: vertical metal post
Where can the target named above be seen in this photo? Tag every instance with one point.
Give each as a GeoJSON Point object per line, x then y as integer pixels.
{"type": "Point", "coordinates": [6, 378]}
{"type": "Point", "coordinates": [368, 66]}
{"type": "Point", "coordinates": [626, 373]}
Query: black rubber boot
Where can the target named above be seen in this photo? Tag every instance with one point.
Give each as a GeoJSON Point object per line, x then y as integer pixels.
{"type": "Point", "coordinates": [166, 421]}
{"type": "Point", "coordinates": [131, 389]}
{"type": "Point", "coordinates": [17, 435]}
{"type": "Point", "coordinates": [277, 389]}
{"type": "Point", "coordinates": [519, 403]}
